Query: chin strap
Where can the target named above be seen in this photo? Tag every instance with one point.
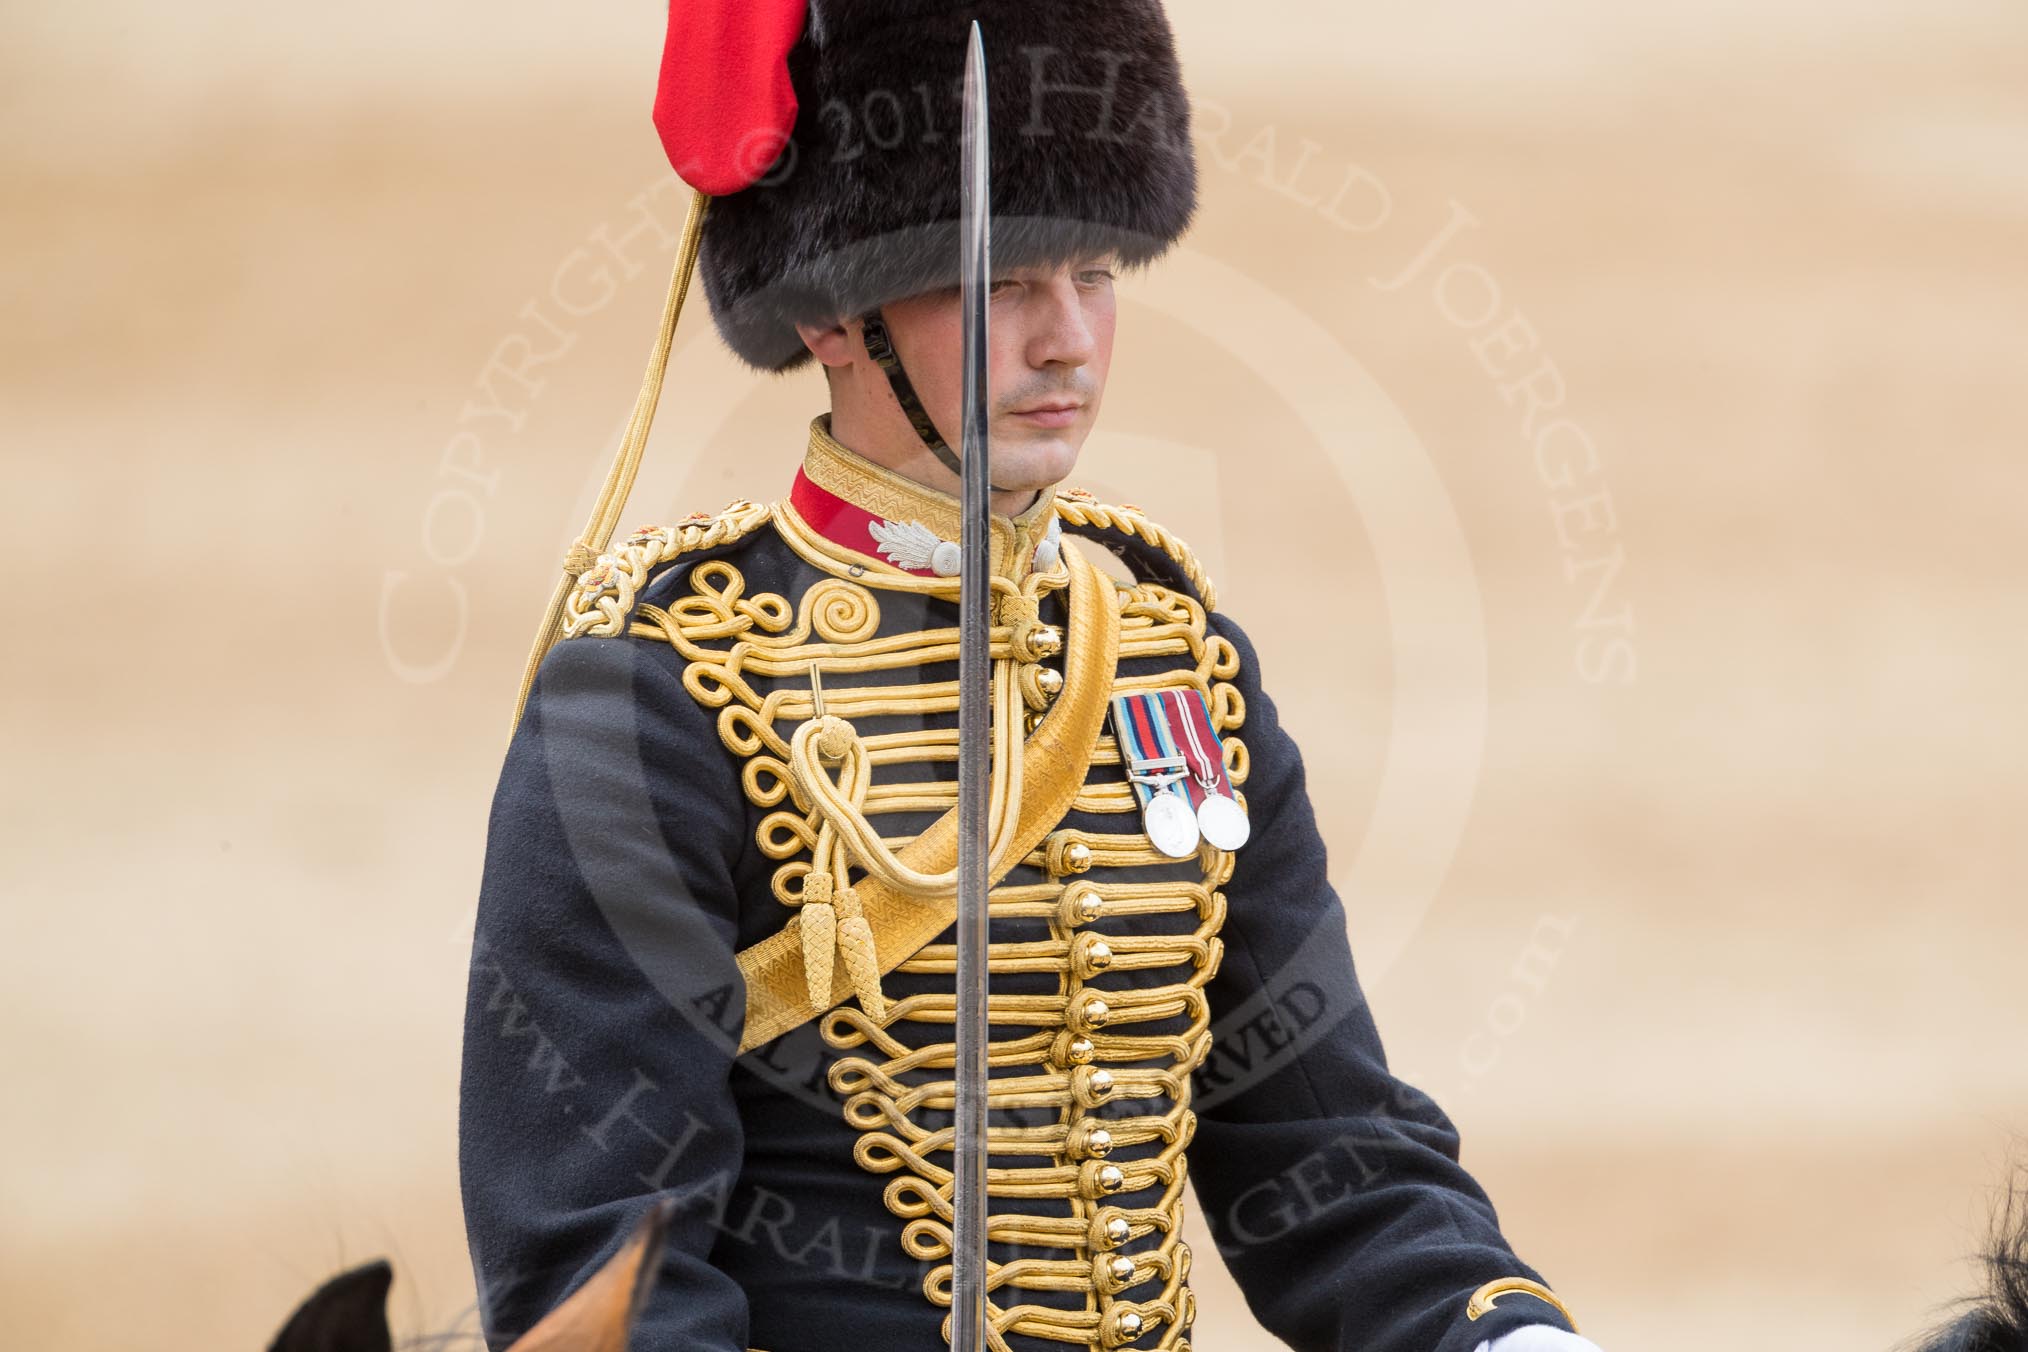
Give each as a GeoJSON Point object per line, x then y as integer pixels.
{"type": "Point", "coordinates": [880, 347]}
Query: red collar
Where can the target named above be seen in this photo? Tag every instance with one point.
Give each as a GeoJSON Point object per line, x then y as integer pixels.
{"type": "Point", "coordinates": [842, 522]}
{"type": "Point", "coordinates": [880, 516]}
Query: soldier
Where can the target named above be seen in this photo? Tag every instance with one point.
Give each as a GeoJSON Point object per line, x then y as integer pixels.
{"type": "Point", "coordinates": [712, 962]}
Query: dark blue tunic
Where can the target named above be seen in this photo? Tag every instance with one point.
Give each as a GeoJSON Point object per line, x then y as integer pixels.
{"type": "Point", "coordinates": [621, 876]}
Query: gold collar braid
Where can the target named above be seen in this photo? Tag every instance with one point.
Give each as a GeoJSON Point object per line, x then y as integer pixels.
{"type": "Point", "coordinates": [843, 472]}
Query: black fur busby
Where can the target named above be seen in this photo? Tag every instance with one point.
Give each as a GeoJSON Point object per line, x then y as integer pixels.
{"type": "Point", "coordinates": [1090, 152]}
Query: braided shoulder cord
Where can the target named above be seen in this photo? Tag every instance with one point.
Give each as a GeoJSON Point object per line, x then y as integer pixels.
{"type": "Point", "coordinates": [604, 596]}
{"type": "Point", "coordinates": [1079, 508]}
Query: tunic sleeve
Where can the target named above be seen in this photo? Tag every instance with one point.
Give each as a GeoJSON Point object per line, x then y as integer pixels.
{"type": "Point", "coordinates": [1333, 1189]}
{"type": "Point", "coordinates": [605, 1006]}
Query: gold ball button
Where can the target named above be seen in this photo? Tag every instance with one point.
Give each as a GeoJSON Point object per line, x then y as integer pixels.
{"type": "Point", "coordinates": [1081, 1050]}
{"type": "Point", "coordinates": [1094, 1012]}
{"type": "Point", "coordinates": [1050, 680]}
{"type": "Point", "coordinates": [1112, 1178]}
{"type": "Point", "coordinates": [1098, 955]}
{"type": "Point", "coordinates": [1116, 1229]}
{"type": "Point", "coordinates": [1080, 905]}
{"type": "Point", "coordinates": [834, 738]}
{"type": "Point", "coordinates": [1120, 1268]}
{"type": "Point", "coordinates": [1102, 1082]}
{"type": "Point", "coordinates": [1099, 1143]}
{"type": "Point", "coordinates": [1130, 1324]}
{"type": "Point", "coordinates": [1046, 641]}
{"type": "Point", "coordinates": [1077, 855]}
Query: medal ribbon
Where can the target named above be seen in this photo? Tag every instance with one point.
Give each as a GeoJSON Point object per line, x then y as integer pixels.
{"type": "Point", "coordinates": [1204, 752]}
{"type": "Point", "coordinates": [1171, 725]}
{"type": "Point", "coordinates": [1141, 726]}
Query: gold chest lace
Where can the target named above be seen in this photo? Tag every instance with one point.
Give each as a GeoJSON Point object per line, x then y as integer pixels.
{"type": "Point", "coordinates": [1103, 1016]}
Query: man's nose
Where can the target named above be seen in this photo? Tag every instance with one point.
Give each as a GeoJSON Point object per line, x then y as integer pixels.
{"type": "Point", "coordinates": [1062, 335]}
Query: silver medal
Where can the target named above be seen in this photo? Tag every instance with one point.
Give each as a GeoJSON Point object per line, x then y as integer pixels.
{"type": "Point", "coordinates": [1223, 821]}
{"type": "Point", "coordinates": [1219, 817]}
{"type": "Point", "coordinates": [1172, 826]}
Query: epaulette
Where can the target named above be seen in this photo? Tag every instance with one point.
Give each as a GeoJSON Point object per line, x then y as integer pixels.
{"type": "Point", "coordinates": [602, 604]}
{"type": "Point", "coordinates": [1141, 536]}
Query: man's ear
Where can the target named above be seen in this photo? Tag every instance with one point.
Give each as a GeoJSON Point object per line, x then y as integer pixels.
{"type": "Point", "coordinates": [834, 345]}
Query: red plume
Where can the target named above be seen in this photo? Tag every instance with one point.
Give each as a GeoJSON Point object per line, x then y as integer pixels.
{"type": "Point", "coordinates": [725, 105]}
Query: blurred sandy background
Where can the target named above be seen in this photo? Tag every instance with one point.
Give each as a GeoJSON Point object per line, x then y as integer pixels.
{"type": "Point", "coordinates": [1715, 952]}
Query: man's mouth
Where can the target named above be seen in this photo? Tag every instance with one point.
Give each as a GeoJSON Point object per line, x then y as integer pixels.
{"type": "Point", "coordinates": [1051, 412]}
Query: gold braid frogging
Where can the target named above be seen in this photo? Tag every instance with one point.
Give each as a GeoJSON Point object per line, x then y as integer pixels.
{"type": "Point", "coordinates": [1077, 1049]}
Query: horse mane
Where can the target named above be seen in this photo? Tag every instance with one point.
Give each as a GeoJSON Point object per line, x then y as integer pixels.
{"type": "Point", "coordinates": [1998, 1319]}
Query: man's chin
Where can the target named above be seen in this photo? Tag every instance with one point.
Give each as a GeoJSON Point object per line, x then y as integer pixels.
{"type": "Point", "coordinates": [1035, 460]}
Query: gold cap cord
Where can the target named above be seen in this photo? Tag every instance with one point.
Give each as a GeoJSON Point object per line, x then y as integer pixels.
{"type": "Point", "coordinates": [619, 484]}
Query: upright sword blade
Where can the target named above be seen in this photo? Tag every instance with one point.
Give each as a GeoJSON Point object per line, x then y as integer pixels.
{"type": "Point", "coordinates": [975, 713]}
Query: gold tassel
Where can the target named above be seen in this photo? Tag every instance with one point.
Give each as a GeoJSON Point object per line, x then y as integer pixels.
{"type": "Point", "coordinates": [820, 936]}
{"type": "Point", "coordinates": [862, 963]}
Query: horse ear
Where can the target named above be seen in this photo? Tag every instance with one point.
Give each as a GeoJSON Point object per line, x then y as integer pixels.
{"type": "Point", "coordinates": [599, 1316]}
{"type": "Point", "coordinates": [346, 1314]}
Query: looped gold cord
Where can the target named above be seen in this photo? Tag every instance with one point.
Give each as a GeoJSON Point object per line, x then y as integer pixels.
{"type": "Point", "coordinates": [840, 804]}
{"type": "Point", "coordinates": [1051, 769]}
{"type": "Point", "coordinates": [619, 484]}
{"type": "Point", "coordinates": [846, 838]}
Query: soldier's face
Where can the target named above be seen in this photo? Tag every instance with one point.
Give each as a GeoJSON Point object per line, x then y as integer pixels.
{"type": "Point", "coordinates": [1051, 341]}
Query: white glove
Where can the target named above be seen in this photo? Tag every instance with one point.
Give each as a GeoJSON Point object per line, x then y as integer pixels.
{"type": "Point", "coordinates": [1539, 1338]}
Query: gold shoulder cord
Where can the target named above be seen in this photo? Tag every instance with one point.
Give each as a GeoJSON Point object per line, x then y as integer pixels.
{"type": "Point", "coordinates": [602, 603]}
{"type": "Point", "coordinates": [1080, 508]}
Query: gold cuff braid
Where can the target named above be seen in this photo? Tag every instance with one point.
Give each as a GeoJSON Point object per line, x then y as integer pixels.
{"type": "Point", "coordinates": [1481, 1303]}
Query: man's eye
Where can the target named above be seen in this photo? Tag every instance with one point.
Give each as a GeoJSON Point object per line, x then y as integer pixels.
{"type": "Point", "coordinates": [1002, 284]}
{"type": "Point", "coordinates": [1095, 276]}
